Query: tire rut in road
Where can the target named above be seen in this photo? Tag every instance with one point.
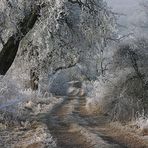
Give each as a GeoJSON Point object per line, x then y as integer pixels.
{"type": "Point", "coordinates": [61, 120]}
{"type": "Point", "coordinates": [59, 123]}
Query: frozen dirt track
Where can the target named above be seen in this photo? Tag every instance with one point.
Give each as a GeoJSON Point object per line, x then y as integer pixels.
{"type": "Point", "coordinates": [71, 128]}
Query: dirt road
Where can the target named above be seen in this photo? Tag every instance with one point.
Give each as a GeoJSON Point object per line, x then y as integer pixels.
{"type": "Point", "coordinates": [73, 129]}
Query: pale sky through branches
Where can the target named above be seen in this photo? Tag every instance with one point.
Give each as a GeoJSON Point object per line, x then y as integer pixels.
{"type": "Point", "coordinates": [127, 7]}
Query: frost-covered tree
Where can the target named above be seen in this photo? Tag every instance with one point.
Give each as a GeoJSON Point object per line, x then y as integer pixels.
{"type": "Point", "coordinates": [67, 35]}
{"type": "Point", "coordinates": [122, 91]}
{"type": "Point", "coordinates": [17, 18]}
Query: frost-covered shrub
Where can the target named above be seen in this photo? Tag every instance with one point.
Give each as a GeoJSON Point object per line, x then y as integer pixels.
{"type": "Point", "coordinates": [8, 90]}
{"type": "Point", "coordinates": [122, 91]}
{"type": "Point", "coordinates": [110, 97]}
{"type": "Point", "coordinates": [11, 95]}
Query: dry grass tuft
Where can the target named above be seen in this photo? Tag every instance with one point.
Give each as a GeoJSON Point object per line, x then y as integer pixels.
{"type": "Point", "coordinates": [126, 135]}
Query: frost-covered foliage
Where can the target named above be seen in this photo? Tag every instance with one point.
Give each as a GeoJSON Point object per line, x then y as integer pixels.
{"type": "Point", "coordinates": [12, 13]}
{"type": "Point", "coordinates": [67, 34]}
{"type": "Point", "coordinates": [122, 91]}
{"type": "Point", "coordinates": [8, 90]}
{"type": "Point", "coordinates": [11, 95]}
{"type": "Point", "coordinates": [69, 41]}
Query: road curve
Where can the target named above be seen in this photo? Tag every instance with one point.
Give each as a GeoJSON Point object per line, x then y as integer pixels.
{"type": "Point", "coordinates": [71, 129]}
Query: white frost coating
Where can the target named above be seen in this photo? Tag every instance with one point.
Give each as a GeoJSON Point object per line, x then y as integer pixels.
{"type": "Point", "coordinates": [64, 35]}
